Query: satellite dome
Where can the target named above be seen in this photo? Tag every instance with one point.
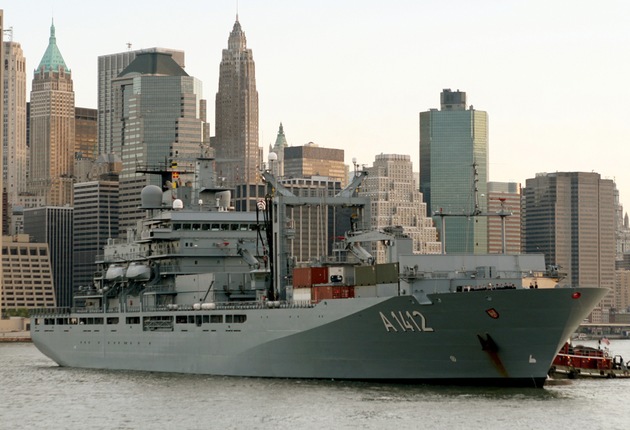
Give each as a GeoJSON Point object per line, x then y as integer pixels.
{"type": "Point", "coordinates": [272, 156]}
{"type": "Point", "coordinates": [178, 204]}
{"type": "Point", "coordinates": [151, 197]}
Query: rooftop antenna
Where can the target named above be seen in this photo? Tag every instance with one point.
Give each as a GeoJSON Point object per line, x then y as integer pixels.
{"type": "Point", "coordinates": [128, 46]}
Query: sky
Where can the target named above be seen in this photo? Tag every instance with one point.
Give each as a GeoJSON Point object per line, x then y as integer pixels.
{"type": "Point", "coordinates": [355, 75]}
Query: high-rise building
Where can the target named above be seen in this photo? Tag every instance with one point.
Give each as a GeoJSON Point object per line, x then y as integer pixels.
{"type": "Point", "coordinates": [109, 67]}
{"type": "Point", "coordinates": [396, 201]}
{"type": "Point", "coordinates": [52, 128]}
{"type": "Point", "coordinates": [570, 218]}
{"type": "Point", "coordinates": [313, 160]}
{"type": "Point", "coordinates": [622, 229]}
{"type": "Point", "coordinates": [95, 221]}
{"type": "Point", "coordinates": [1, 147]}
{"type": "Point", "coordinates": [85, 148]}
{"type": "Point", "coordinates": [28, 281]}
{"type": "Point", "coordinates": [238, 156]}
{"type": "Point", "coordinates": [85, 133]}
{"type": "Point", "coordinates": [157, 124]}
{"type": "Point", "coordinates": [622, 291]}
{"type": "Point", "coordinates": [504, 217]}
{"type": "Point", "coordinates": [454, 171]}
{"type": "Point", "coordinates": [315, 226]}
{"type": "Point", "coordinates": [53, 225]}
{"type": "Point", "coordinates": [14, 130]}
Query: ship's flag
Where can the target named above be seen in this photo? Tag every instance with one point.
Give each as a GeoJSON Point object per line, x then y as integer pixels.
{"type": "Point", "coordinates": [605, 341]}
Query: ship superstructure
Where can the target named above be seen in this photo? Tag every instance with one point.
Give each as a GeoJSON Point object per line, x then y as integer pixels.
{"type": "Point", "coordinates": [198, 288]}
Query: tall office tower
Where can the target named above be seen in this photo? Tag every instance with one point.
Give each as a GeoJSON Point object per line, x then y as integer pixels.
{"type": "Point", "coordinates": [622, 230]}
{"type": "Point", "coordinates": [14, 130]}
{"type": "Point", "coordinates": [109, 67]}
{"type": "Point", "coordinates": [570, 218]}
{"type": "Point", "coordinates": [95, 221]}
{"type": "Point", "coordinates": [238, 157]}
{"type": "Point", "coordinates": [504, 198]}
{"type": "Point", "coordinates": [157, 125]}
{"type": "Point", "coordinates": [28, 282]}
{"type": "Point", "coordinates": [1, 146]}
{"type": "Point", "coordinates": [86, 150]}
{"type": "Point", "coordinates": [453, 164]}
{"type": "Point", "coordinates": [315, 227]}
{"type": "Point", "coordinates": [396, 201]}
{"type": "Point", "coordinates": [85, 120]}
{"type": "Point", "coordinates": [277, 166]}
{"type": "Point", "coordinates": [53, 225]}
{"type": "Point", "coordinates": [52, 128]}
{"type": "Point", "coordinates": [622, 295]}
{"type": "Point", "coordinates": [312, 160]}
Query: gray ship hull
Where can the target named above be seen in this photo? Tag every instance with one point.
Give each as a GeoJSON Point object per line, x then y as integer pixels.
{"type": "Point", "coordinates": [494, 337]}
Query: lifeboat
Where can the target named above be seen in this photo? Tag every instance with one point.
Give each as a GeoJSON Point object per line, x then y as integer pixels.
{"type": "Point", "coordinates": [115, 272]}
{"type": "Point", "coordinates": [138, 272]}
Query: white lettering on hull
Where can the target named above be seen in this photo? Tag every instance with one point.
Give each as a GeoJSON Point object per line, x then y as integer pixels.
{"type": "Point", "coordinates": [407, 321]}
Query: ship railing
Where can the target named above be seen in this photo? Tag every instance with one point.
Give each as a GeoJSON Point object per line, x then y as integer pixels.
{"type": "Point", "coordinates": [293, 304]}
{"type": "Point", "coordinates": [160, 289]}
{"type": "Point", "coordinates": [39, 312]}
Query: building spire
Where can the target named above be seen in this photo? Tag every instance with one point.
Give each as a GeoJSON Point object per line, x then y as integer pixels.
{"type": "Point", "coordinates": [281, 140]}
{"type": "Point", "coordinates": [237, 40]}
{"type": "Point", "coordinates": [52, 59]}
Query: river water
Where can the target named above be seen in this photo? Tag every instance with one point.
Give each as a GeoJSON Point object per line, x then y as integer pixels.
{"type": "Point", "coordinates": [37, 394]}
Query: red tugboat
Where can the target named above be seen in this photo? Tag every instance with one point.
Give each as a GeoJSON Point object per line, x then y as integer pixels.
{"type": "Point", "coordinates": [587, 362]}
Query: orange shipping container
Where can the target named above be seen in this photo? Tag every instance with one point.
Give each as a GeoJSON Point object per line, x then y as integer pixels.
{"type": "Point", "coordinates": [319, 275]}
{"type": "Point", "coordinates": [321, 293]}
{"type": "Point", "coordinates": [343, 292]}
{"type": "Point", "coordinates": [302, 277]}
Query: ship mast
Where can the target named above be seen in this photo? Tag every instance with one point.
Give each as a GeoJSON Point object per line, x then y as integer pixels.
{"type": "Point", "coordinates": [476, 212]}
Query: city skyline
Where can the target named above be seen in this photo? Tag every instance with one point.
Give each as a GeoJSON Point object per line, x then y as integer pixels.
{"type": "Point", "coordinates": [550, 78]}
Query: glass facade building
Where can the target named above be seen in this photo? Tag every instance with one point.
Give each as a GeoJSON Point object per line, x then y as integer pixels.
{"type": "Point", "coordinates": [454, 171]}
{"type": "Point", "coordinates": [109, 67]}
{"type": "Point", "coordinates": [95, 221]}
{"type": "Point", "coordinates": [54, 226]}
{"type": "Point", "coordinates": [157, 125]}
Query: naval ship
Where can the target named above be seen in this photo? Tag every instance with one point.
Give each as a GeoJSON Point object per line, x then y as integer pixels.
{"type": "Point", "coordinates": [199, 288]}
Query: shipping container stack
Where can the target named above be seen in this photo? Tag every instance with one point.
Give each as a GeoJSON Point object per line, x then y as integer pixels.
{"type": "Point", "coordinates": [315, 284]}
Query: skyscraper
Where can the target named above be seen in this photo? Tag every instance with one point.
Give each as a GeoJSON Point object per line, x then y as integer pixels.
{"type": "Point", "coordinates": [238, 156]}
{"type": "Point", "coordinates": [504, 197]}
{"type": "Point", "coordinates": [454, 170]}
{"type": "Point", "coordinates": [570, 218]}
{"type": "Point", "coordinates": [109, 67]}
{"type": "Point", "coordinates": [313, 160]}
{"type": "Point", "coordinates": [396, 201]}
{"type": "Point", "coordinates": [95, 221]}
{"type": "Point", "coordinates": [157, 124]}
{"type": "Point", "coordinates": [1, 151]}
{"type": "Point", "coordinates": [52, 128]}
{"type": "Point", "coordinates": [53, 225]}
{"type": "Point", "coordinates": [14, 152]}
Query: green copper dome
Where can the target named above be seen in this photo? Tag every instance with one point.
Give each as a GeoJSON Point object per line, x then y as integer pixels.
{"type": "Point", "coordinates": [281, 140]}
{"type": "Point", "coordinates": [52, 59]}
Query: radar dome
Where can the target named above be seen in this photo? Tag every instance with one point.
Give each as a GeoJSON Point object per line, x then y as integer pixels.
{"type": "Point", "coordinates": [151, 197]}
{"type": "Point", "coordinates": [178, 204]}
{"type": "Point", "coordinates": [273, 156]}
